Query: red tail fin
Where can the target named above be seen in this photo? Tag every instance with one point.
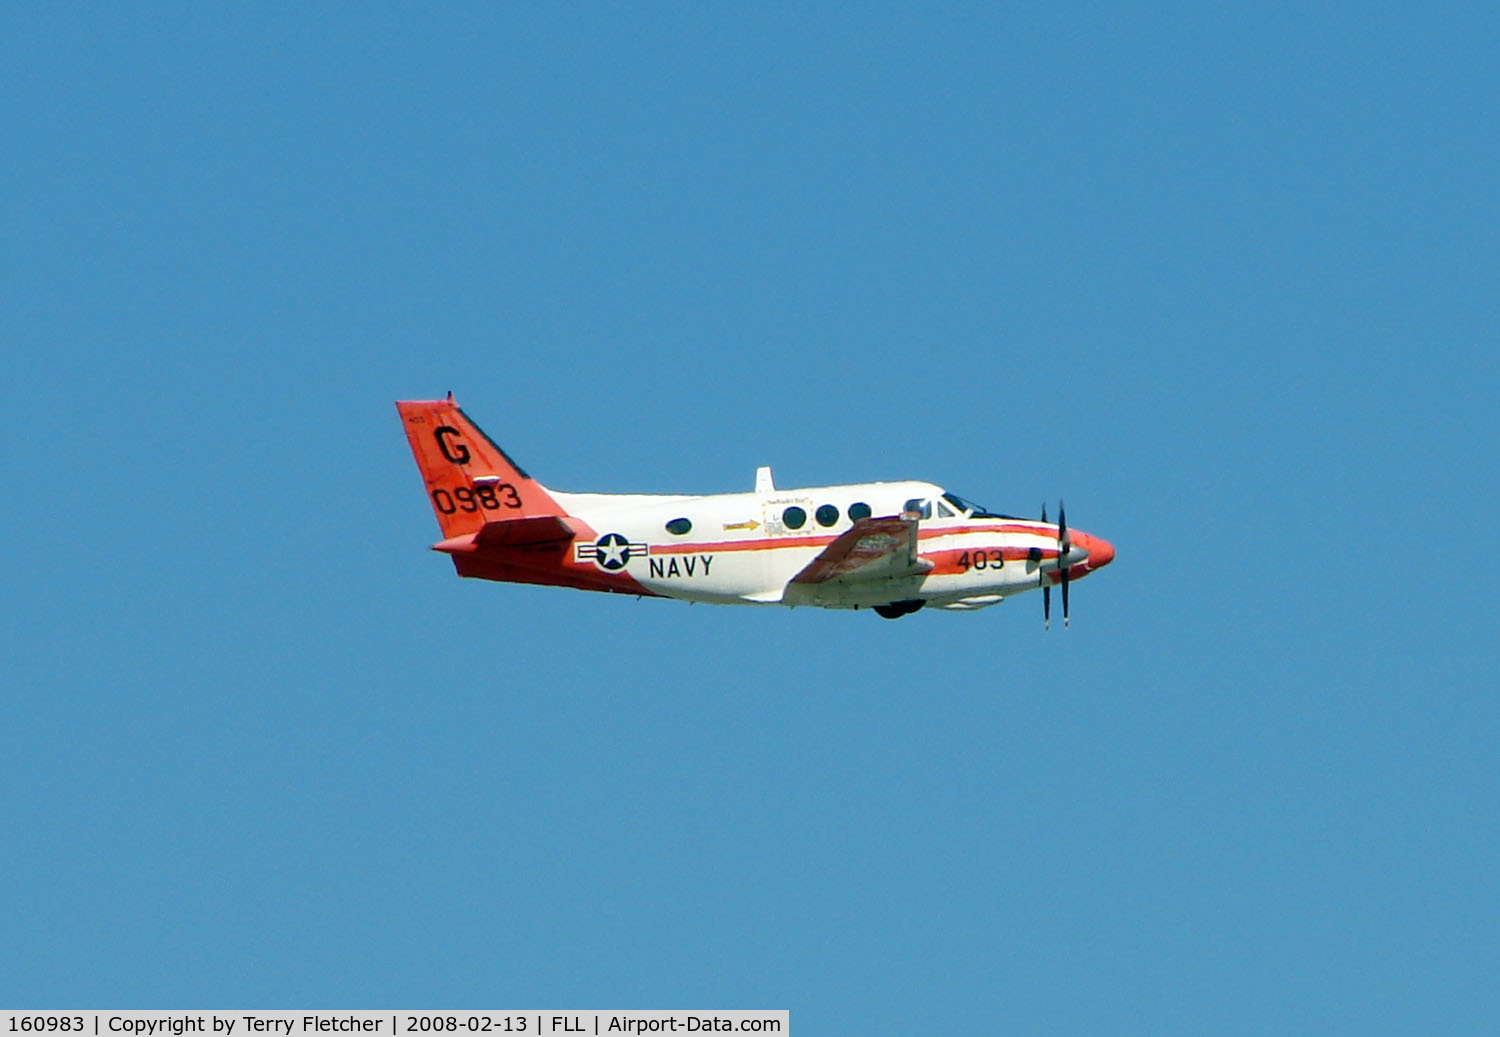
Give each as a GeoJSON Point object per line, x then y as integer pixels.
{"type": "Point", "coordinates": [470, 480]}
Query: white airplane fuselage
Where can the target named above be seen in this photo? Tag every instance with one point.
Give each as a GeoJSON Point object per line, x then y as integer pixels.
{"type": "Point", "coordinates": [738, 548]}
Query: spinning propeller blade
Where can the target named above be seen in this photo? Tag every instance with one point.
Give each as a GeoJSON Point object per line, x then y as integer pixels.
{"type": "Point", "coordinates": [1064, 545]}
{"type": "Point", "coordinates": [1046, 587]}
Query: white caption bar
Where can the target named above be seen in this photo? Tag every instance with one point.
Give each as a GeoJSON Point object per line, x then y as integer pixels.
{"type": "Point", "coordinates": [404, 1023]}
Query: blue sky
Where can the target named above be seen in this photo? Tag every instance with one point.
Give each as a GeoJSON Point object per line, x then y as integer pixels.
{"type": "Point", "coordinates": [1223, 279]}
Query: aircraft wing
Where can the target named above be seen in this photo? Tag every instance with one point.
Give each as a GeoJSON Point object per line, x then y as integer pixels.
{"type": "Point", "coordinates": [874, 549]}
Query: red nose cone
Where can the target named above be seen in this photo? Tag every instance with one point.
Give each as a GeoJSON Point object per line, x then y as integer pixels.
{"type": "Point", "coordinates": [1101, 552]}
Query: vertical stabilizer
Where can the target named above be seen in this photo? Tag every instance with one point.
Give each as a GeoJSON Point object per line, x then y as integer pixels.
{"type": "Point", "coordinates": [470, 481]}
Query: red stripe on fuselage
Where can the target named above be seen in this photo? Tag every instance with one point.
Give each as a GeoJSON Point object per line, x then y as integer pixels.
{"type": "Point", "coordinates": [946, 562]}
{"type": "Point", "coordinates": [824, 539]}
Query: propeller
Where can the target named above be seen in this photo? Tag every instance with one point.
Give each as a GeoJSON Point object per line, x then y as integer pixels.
{"type": "Point", "coordinates": [1064, 545]}
{"type": "Point", "coordinates": [1046, 587]}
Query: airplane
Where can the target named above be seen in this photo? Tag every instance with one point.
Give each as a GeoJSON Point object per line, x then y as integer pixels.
{"type": "Point", "coordinates": [892, 547]}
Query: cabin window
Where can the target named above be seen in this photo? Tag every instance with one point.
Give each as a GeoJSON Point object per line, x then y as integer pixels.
{"type": "Point", "coordinates": [858, 511]}
{"type": "Point", "coordinates": [679, 527]}
{"type": "Point", "coordinates": [827, 515]}
{"type": "Point", "coordinates": [794, 517]}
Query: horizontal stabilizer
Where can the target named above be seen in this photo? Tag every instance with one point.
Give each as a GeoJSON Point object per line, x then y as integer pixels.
{"type": "Point", "coordinates": [526, 532]}
{"type": "Point", "coordinates": [537, 531]}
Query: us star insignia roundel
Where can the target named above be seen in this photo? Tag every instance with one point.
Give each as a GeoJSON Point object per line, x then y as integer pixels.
{"type": "Point", "coordinates": [610, 552]}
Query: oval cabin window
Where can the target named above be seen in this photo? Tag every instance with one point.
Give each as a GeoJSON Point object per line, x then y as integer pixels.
{"type": "Point", "coordinates": [859, 511]}
{"type": "Point", "coordinates": [679, 527]}
{"type": "Point", "coordinates": [827, 515]}
{"type": "Point", "coordinates": [794, 517]}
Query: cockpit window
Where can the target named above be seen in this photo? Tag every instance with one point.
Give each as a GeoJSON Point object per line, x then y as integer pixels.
{"type": "Point", "coordinates": [943, 510]}
{"type": "Point", "coordinates": [922, 507]}
{"type": "Point", "coordinates": [969, 508]}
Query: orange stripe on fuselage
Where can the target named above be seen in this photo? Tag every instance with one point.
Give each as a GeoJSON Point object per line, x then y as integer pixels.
{"type": "Point", "coordinates": [557, 566]}
{"type": "Point", "coordinates": [946, 561]}
{"type": "Point", "coordinates": [824, 539]}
